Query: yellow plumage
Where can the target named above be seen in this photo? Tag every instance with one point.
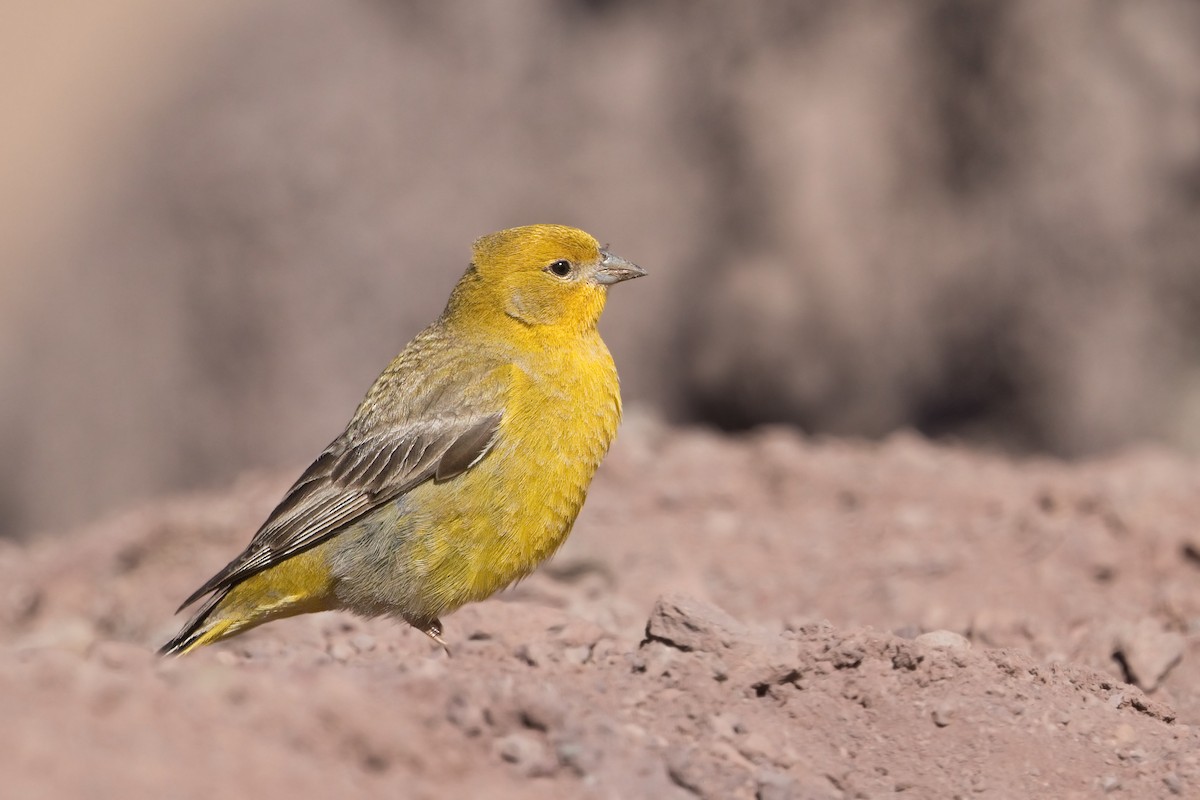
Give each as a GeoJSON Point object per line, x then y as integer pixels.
{"type": "Point", "coordinates": [465, 465]}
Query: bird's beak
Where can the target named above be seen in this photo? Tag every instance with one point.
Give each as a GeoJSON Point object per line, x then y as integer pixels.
{"type": "Point", "coordinates": [614, 269]}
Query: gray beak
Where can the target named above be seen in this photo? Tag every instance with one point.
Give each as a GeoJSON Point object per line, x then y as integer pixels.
{"type": "Point", "coordinates": [614, 269]}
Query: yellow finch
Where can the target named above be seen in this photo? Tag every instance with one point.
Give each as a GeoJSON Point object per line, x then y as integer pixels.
{"type": "Point", "coordinates": [465, 465]}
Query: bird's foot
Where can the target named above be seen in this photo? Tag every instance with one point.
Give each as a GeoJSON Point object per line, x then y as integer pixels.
{"type": "Point", "coordinates": [434, 631]}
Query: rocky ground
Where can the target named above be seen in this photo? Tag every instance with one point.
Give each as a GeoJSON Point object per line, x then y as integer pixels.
{"type": "Point", "coordinates": [766, 616]}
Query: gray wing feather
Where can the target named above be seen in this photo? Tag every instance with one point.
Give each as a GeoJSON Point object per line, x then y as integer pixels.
{"type": "Point", "coordinates": [348, 480]}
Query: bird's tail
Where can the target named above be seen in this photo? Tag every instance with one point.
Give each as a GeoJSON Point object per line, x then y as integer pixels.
{"type": "Point", "coordinates": [288, 589]}
{"type": "Point", "coordinates": [201, 629]}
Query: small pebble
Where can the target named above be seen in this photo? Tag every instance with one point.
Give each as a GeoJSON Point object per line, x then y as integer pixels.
{"type": "Point", "coordinates": [1149, 652]}
{"type": "Point", "coordinates": [467, 716]}
{"type": "Point", "coordinates": [577, 655]}
{"type": "Point", "coordinates": [942, 716]}
{"type": "Point", "coordinates": [342, 651]}
{"type": "Point", "coordinates": [525, 752]}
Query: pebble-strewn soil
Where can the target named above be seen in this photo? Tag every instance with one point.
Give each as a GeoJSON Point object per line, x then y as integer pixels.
{"type": "Point", "coordinates": [755, 617]}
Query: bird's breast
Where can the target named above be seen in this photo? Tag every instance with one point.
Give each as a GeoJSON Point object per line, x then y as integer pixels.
{"type": "Point", "coordinates": [561, 418]}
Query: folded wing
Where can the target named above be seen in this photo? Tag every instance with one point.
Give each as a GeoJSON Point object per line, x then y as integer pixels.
{"type": "Point", "coordinates": [351, 478]}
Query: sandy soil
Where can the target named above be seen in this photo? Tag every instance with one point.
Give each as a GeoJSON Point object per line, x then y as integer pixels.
{"type": "Point", "coordinates": [765, 616]}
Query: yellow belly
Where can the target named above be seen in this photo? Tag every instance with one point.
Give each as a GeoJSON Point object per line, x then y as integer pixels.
{"type": "Point", "coordinates": [446, 544]}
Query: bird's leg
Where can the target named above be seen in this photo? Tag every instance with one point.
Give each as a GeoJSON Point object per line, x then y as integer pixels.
{"type": "Point", "coordinates": [433, 630]}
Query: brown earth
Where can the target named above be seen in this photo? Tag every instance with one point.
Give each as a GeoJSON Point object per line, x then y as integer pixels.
{"type": "Point", "coordinates": [766, 616]}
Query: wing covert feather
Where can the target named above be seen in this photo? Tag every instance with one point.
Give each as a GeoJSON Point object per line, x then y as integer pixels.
{"type": "Point", "coordinates": [349, 480]}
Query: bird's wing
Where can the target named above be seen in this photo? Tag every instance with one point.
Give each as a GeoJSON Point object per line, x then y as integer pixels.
{"type": "Point", "coordinates": [352, 478]}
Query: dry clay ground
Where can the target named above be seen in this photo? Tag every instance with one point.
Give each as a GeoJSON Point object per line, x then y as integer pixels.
{"type": "Point", "coordinates": [764, 616]}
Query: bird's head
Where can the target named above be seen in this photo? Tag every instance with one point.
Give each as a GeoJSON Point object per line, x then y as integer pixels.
{"type": "Point", "coordinates": [543, 275]}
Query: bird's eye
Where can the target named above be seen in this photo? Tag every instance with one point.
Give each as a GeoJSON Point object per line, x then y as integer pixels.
{"type": "Point", "coordinates": [561, 268]}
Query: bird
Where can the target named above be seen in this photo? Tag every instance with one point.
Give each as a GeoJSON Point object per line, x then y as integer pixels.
{"type": "Point", "coordinates": [464, 466]}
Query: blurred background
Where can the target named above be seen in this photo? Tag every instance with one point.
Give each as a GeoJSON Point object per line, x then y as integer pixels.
{"type": "Point", "coordinates": [976, 218]}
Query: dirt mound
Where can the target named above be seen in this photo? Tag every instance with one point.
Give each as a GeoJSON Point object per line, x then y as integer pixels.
{"type": "Point", "coordinates": [897, 617]}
